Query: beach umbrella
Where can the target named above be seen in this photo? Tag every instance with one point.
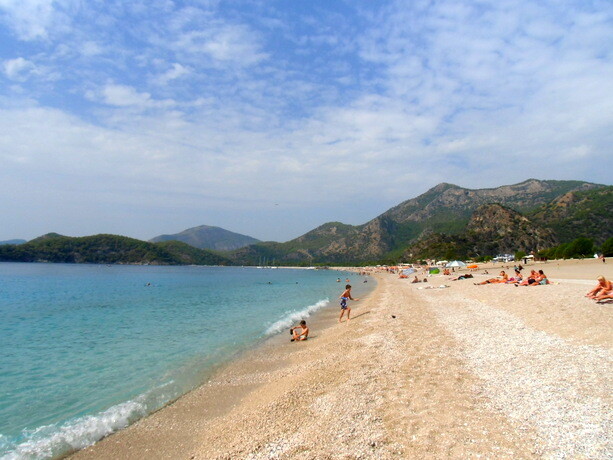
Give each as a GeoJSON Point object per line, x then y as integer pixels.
{"type": "Point", "coordinates": [456, 263]}
{"type": "Point", "coordinates": [434, 271]}
{"type": "Point", "coordinates": [408, 271]}
{"type": "Point", "coordinates": [473, 266]}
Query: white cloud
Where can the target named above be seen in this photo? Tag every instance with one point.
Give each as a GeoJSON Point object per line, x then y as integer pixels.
{"type": "Point", "coordinates": [18, 69]}
{"type": "Point", "coordinates": [127, 96]}
{"type": "Point", "coordinates": [91, 48]}
{"type": "Point", "coordinates": [176, 71]}
{"type": "Point", "coordinates": [223, 43]}
{"type": "Point", "coordinates": [32, 19]}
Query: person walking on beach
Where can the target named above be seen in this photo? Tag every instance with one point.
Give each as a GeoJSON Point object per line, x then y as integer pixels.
{"type": "Point", "coordinates": [345, 296]}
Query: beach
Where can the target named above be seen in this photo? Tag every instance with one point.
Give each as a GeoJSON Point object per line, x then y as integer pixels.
{"type": "Point", "coordinates": [463, 371]}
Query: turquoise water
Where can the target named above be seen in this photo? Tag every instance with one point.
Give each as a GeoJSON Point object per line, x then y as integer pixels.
{"type": "Point", "coordinates": [87, 349]}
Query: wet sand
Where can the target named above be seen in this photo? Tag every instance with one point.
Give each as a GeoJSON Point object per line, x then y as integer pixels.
{"type": "Point", "coordinates": [489, 371]}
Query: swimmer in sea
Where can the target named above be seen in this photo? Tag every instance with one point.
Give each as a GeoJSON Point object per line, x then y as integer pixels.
{"type": "Point", "coordinates": [345, 296]}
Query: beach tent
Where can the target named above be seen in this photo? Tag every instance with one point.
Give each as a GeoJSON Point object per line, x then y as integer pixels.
{"type": "Point", "coordinates": [434, 271]}
{"type": "Point", "coordinates": [408, 271]}
{"type": "Point", "coordinates": [456, 263]}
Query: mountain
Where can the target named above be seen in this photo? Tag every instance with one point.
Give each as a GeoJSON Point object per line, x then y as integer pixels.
{"type": "Point", "coordinates": [445, 209]}
{"type": "Point", "coordinates": [207, 237]}
{"type": "Point", "coordinates": [492, 229]}
{"type": "Point", "coordinates": [44, 237]}
{"type": "Point", "coordinates": [12, 242]}
{"type": "Point", "coordinates": [585, 213]}
{"type": "Point", "coordinates": [107, 249]}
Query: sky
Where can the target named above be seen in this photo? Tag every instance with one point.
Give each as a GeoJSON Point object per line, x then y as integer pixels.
{"type": "Point", "coordinates": [272, 117]}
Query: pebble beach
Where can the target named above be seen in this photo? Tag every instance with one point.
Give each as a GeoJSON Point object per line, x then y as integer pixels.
{"type": "Point", "coordinates": [463, 371]}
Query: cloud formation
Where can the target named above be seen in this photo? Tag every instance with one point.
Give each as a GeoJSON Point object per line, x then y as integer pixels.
{"type": "Point", "coordinates": [18, 68]}
{"type": "Point", "coordinates": [187, 113]}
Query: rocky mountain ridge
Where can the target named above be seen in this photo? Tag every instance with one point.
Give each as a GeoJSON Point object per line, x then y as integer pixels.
{"type": "Point", "coordinates": [445, 209]}
{"type": "Point", "coordinates": [492, 229]}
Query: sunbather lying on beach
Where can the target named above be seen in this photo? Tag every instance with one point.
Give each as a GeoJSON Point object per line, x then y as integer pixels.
{"type": "Point", "coordinates": [300, 332]}
{"type": "Point", "coordinates": [462, 277]}
{"type": "Point", "coordinates": [504, 279]}
{"type": "Point", "coordinates": [603, 287]}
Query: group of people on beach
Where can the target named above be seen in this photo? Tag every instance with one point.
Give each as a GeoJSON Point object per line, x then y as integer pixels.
{"type": "Point", "coordinates": [534, 279]}
{"type": "Point", "coordinates": [603, 290]}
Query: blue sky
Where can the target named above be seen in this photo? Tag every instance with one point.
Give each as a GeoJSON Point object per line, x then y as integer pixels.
{"type": "Point", "coordinates": [270, 118]}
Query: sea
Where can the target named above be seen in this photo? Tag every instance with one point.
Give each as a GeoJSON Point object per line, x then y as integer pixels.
{"type": "Point", "coordinates": [85, 350]}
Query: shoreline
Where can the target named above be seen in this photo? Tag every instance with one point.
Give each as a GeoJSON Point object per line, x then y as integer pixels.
{"type": "Point", "coordinates": [464, 371]}
{"type": "Point", "coordinates": [218, 397]}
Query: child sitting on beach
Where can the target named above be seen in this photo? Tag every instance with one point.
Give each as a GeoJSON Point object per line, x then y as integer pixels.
{"type": "Point", "coordinates": [300, 332]}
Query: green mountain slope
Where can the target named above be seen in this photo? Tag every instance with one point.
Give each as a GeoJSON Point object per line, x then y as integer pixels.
{"type": "Point", "coordinates": [207, 237]}
{"type": "Point", "coordinates": [492, 229]}
{"type": "Point", "coordinates": [107, 249]}
{"type": "Point", "coordinates": [444, 209]}
{"type": "Point", "coordinates": [587, 213]}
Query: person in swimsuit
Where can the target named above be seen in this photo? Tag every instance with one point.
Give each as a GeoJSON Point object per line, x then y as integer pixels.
{"type": "Point", "coordinates": [345, 296]}
{"type": "Point", "coordinates": [540, 280]}
{"type": "Point", "coordinates": [504, 279]}
{"type": "Point", "coordinates": [300, 332]}
{"type": "Point", "coordinates": [603, 288]}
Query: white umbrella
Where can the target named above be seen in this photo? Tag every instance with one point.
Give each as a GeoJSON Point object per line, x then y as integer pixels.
{"type": "Point", "coordinates": [408, 271]}
{"type": "Point", "coordinates": [456, 263]}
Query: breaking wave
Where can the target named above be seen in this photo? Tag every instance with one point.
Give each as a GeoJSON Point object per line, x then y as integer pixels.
{"type": "Point", "coordinates": [292, 317]}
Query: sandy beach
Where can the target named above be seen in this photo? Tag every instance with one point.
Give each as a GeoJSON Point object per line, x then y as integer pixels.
{"type": "Point", "coordinates": [463, 371]}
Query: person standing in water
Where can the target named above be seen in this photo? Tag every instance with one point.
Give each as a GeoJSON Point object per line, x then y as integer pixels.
{"type": "Point", "coordinates": [345, 296]}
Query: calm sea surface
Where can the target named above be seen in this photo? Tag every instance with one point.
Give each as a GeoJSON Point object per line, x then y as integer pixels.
{"type": "Point", "coordinates": [87, 349]}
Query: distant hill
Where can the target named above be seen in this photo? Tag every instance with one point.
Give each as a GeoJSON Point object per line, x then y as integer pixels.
{"type": "Point", "coordinates": [44, 237]}
{"type": "Point", "coordinates": [445, 209]}
{"type": "Point", "coordinates": [207, 237]}
{"type": "Point", "coordinates": [12, 242]}
{"type": "Point", "coordinates": [108, 249]}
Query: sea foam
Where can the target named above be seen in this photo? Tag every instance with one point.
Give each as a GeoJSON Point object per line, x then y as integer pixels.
{"type": "Point", "coordinates": [294, 316]}
{"type": "Point", "coordinates": [50, 440]}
